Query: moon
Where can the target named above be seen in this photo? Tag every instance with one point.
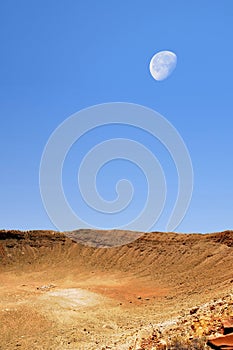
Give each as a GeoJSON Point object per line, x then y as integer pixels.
{"type": "Point", "coordinates": [162, 64]}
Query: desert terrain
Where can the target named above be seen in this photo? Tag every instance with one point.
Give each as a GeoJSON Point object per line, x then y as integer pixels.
{"type": "Point", "coordinates": [82, 290]}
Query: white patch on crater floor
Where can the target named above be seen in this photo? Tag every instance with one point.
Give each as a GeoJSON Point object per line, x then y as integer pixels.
{"type": "Point", "coordinates": [73, 297]}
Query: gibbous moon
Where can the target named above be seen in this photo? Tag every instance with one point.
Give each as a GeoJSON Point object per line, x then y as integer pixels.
{"type": "Point", "coordinates": [162, 64]}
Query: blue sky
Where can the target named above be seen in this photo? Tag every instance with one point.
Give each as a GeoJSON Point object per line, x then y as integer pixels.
{"type": "Point", "coordinates": [58, 57]}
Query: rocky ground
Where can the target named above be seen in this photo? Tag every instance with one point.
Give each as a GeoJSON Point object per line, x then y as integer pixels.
{"type": "Point", "coordinates": [192, 328]}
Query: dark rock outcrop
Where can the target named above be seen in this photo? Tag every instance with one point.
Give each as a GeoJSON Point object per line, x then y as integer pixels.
{"type": "Point", "coordinates": [224, 341]}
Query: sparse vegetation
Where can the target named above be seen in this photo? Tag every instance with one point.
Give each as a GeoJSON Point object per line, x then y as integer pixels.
{"type": "Point", "coordinates": [194, 344]}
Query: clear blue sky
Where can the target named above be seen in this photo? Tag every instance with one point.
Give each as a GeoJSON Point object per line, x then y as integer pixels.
{"type": "Point", "coordinates": [58, 57]}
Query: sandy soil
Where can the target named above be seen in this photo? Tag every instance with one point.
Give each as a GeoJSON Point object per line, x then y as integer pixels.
{"type": "Point", "coordinates": [57, 294]}
{"type": "Point", "coordinates": [73, 312]}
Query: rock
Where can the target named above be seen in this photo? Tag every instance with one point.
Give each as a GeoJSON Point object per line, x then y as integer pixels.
{"type": "Point", "coordinates": [225, 340]}
{"type": "Point", "coordinates": [107, 326]}
{"type": "Point", "coordinates": [46, 287]}
{"type": "Point", "coordinates": [222, 342]}
{"type": "Point", "coordinates": [191, 329]}
{"type": "Point", "coordinates": [193, 310]}
{"type": "Point", "coordinates": [227, 325]}
{"type": "Point", "coordinates": [163, 342]}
